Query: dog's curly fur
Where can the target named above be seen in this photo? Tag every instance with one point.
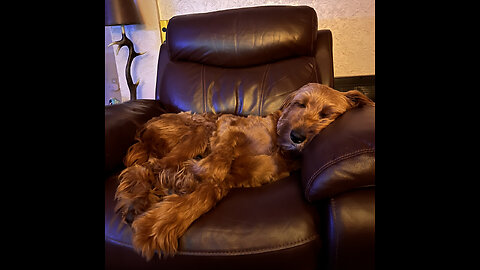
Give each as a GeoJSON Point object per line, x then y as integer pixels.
{"type": "Point", "coordinates": [184, 163]}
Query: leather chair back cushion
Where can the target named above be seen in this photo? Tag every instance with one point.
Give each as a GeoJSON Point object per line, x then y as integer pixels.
{"type": "Point", "coordinates": [241, 61]}
{"type": "Point", "coordinates": [341, 157]}
{"type": "Point", "coordinates": [243, 37]}
{"type": "Point", "coordinates": [257, 90]}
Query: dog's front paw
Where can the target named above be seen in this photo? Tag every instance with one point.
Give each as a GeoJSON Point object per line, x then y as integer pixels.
{"type": "Point", "coordinates": [126, 210]}
{"type": "Point", "coordinates": [129, 209]}
{"type": "Point", "coordinates": [155, 233]}
{"type": "Point", "coordinates": [128, 214]}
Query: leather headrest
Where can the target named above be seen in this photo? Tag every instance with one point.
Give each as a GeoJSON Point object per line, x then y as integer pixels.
{"type": "Point", "coordinates": [243, 37]}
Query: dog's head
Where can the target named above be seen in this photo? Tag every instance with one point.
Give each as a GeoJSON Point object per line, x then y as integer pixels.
{"type": "Point", "coordinates": [310, 109]}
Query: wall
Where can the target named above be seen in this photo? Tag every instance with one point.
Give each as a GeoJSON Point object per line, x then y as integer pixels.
{"type": "Point", "coordinates": [352, 23]}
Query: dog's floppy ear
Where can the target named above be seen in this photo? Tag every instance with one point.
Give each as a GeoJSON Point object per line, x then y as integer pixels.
{"type": "Point", "coordinates": [358, 99]}
{"type": "Point", "coordinates": [288, 100]}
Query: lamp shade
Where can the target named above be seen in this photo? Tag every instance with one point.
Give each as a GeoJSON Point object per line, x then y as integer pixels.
{"type": "Point", "coordinates": [118, 12]}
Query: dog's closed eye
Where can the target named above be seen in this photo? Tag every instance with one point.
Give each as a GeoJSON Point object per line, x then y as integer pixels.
{"type": "Point", "coordinates": [324, 114]}
{"type": "Point", "coordinates": [300, 105]}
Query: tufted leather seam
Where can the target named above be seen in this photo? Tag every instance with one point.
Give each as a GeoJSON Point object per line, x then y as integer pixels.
{"type": "Point", "coordinates": [202, 71]}
{"type": "Point", "coordinates": [262, 90]}
{"type": "Point", "coordinates": [315, 70]}
{"type": "Point", "coordinates": [333, 162]}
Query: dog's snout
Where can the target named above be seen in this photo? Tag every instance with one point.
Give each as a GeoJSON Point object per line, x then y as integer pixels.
{"type": "Point", "coordinates": [297, 136]}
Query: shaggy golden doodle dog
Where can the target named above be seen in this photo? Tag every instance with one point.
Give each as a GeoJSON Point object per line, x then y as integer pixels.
{"type": "Point", "coordinates": [184, 163]}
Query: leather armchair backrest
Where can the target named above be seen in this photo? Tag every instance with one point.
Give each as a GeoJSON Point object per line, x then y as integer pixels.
{"type": "Point", "coordinates": [242, 61]}
{"type": "Point", "coordinates": [243, 37]}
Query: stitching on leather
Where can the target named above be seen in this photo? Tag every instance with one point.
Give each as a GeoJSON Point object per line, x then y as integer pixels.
{"type": "Point", "coordinates": [332, 162]}
{"type": "Point", "coordinates": [233, 252]}
{"type": "Point", "coordinates": [253, 250]}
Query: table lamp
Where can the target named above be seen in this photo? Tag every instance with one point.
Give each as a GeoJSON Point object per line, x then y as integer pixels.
{"type": "Point", "coordinates": [122, 12]}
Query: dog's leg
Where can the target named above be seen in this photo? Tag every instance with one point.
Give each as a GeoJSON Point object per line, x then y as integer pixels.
{"type": "Point", "coordinates": [192, 143]}
{"type": "Point", "coordinates": [161, 226]}
{"type": "Point", "coordinates": [253, 171]}
{"type": "Point", "coordinates": [216, 166]}
{"type": "Point", "coordinates": [136, 192]}
{"type": "Point", "coordinates": [152, 174]}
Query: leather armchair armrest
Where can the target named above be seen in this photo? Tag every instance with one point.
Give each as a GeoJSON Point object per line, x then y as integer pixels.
{"type": "Point", "coordinates": [341, 157]}
{"type": "Point", "coordinates": [350, 223]}
{"type": "Point", "coordinates": [121, 123]}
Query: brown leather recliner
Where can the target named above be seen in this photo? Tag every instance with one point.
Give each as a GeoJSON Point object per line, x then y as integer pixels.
{"type": "Point", "coordinates": [246, 61]}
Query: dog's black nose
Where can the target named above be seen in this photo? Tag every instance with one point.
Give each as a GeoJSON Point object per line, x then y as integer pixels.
{"type": "Point", "coordinates": [297, 136]}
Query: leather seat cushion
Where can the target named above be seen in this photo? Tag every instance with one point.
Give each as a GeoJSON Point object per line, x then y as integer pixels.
{"type": "Point", "coordinates": [258, 222]}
